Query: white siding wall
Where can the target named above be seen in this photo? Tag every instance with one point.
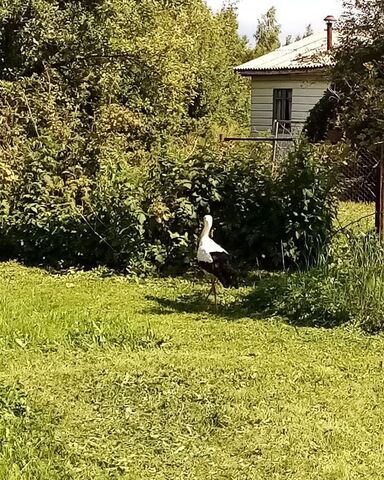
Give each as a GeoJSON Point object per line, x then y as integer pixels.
{"type": "Point", "coordinates": [306, 91]}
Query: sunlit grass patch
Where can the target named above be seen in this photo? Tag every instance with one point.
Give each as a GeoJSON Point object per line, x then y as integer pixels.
{"type": "Point", "coordinates": [145, 380]}
{"type": "Point", "coordinates": [356, 216]}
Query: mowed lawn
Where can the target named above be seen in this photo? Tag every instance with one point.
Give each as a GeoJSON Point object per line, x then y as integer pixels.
{"type": "Point", "coordinates": [111, 378]}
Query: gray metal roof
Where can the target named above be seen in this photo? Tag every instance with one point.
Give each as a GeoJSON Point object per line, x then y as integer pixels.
{"type": "Point", "coordinates": [308, 53]}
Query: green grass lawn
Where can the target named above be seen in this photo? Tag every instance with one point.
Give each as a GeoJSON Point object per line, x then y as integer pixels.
{"type": "Point", "coordinates": [105, 378]}
{"type": "Point", "coordinates": [359, 217]}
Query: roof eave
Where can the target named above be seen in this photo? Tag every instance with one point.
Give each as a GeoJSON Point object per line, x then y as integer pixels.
{"type": "Point", "coordinates": [280, 71]}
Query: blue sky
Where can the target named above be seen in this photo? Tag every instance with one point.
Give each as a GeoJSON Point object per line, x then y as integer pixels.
{"type": "Point", "coordinates": [293, 15]}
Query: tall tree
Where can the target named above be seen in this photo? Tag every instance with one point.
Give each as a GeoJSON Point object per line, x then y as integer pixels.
{"type": "Point", "coordinates": [308, 31]}
{"type": "Point", "coordinates": [167, 67]}
{"type": "Point", "coordinates": [267, 33]}
{"type": "Point", "coordinates": [359, 71]}
{"type": "Point", "coordinates": [92, 93]}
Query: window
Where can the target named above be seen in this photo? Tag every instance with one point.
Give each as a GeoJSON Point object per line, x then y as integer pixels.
{"type": "Point", "coordinates": [282, 108]}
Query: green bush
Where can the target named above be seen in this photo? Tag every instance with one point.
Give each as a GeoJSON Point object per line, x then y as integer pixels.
{"type": "Point", "coordinates": [262, 218]}
{"type": "Point", "coordinates": [106, 154]}
{"type": "Point", "coordinates": [149, 218]}
{"type": "Point", "coordinates": [284, 219]}
{"type": "Point", "coordinates": [322, 118]}
{"type": "Point", "coordinates": [346, 286]}
{"type": "Point", "coordinates": [307, 194]}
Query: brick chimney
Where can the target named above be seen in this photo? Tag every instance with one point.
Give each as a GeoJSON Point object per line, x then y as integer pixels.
{"type": "Point", "coordinates": [329, 20]}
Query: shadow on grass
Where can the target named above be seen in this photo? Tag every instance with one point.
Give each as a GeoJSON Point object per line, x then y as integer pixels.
{"type": "Point", "coordinates": [266, 297]}
{"type": "Point", "coordinates": [257, 303]}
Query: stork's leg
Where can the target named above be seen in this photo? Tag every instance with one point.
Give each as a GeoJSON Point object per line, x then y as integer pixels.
{"type": "Point", "coordinates": [214, 291]}
{"type": "Point", "coordinates": [210, 291]}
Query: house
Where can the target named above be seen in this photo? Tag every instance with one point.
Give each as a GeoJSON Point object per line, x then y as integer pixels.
{"type": "Point", "coordinates": [289, 81]}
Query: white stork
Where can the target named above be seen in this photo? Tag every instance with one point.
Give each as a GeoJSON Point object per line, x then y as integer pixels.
{"type": "Point", "coordinates": [214, 260]}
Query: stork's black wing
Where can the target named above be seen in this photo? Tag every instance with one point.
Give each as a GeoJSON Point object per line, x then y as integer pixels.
{"type": "Point", "coordinates": [222, 269]}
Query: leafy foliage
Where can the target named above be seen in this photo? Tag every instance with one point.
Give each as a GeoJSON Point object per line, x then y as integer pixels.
{"type": "Point", "coordinates": [359, 71]}
{"type": "Point", "coordinates": [322, 117]}
{"type": "Point", "coordinates": [307, 192]}
{"type": "Point", "coordinates": [106, 131]}
{"type": "Point", "coordinates": [359, 78]}
{"type": "Point", "coordinates": [263, 218]}
{"type": "Point", "coordinates": [267, 34]}
{"type": "Point", "coordinates": [87, 100]}
{"type": "Point", "coordinates": [168, 71]}
{"type": "Point", "coordinates": [136, 219]}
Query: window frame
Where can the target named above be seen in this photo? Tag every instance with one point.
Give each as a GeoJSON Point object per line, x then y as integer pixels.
{"type": "Point", "coordinates": [284, 96]}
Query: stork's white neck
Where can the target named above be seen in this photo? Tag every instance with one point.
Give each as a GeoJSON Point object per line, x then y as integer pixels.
{"type": "Point", "coordinates": [208, 221]}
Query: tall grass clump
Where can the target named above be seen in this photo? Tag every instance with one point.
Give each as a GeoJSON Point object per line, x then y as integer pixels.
{"type": "Point", "coordinates": [346, 286]}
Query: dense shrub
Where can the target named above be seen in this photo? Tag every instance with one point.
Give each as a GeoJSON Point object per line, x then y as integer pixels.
{"type": "Point", "coordinates": [137, 218]}
{"type": "Point", "coordinates": [105, 150]}
{"type": "Point", "coordinates": [346, 286]}
{"type": "Point", "coordinates": [283, 219]}
{"type": "Point", "coordinates": [322, 117]}
{"type": "Point", "coordinates": [89, 103]}
{"type": "Point", "coordinates": [307, 193]}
